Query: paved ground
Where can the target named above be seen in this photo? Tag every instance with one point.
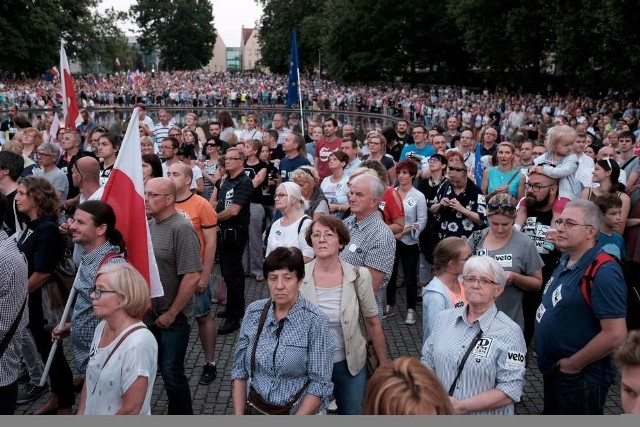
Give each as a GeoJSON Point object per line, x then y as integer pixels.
{"type": "Point", "coordinates": [401, 339]}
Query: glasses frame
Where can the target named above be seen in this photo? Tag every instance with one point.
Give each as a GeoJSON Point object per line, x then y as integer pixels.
{"type": "Point", "coordinates": [561, 222]}
{"type": "Point", "coordinates": [536, 187]}
{"type": "Point", "coordinates": [98, 292]}
{"type": "Point", "coordinates": [480, 281]}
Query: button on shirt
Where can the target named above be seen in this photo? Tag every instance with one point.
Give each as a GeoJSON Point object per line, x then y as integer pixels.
{"type": "Point", "coordinates": [302, 351]}
{"type": "Point", "coordinates": [372, 244]}
{"type": "Point", "coordinates": [496, 362]}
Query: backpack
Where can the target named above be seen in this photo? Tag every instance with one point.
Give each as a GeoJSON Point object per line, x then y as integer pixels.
{"type": "Point", "coordinates": [265, 239]}
{"type": "Point", "coordinates": [630, 272]}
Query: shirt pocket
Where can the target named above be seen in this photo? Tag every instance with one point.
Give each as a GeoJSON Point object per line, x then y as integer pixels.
{"type": "Point", "coordinates": [293, 356]}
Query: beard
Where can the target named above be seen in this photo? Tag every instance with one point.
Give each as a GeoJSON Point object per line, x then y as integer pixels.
{"type": "Point", "coordinates": [531, 202]}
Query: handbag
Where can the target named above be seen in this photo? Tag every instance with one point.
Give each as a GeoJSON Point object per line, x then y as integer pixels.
{"type": "Point", "coordinates": [372, 361]}
{"type": "Point", "coordinates": [255, 404]}
{"type": "Point", "coordinates": [12, 330]}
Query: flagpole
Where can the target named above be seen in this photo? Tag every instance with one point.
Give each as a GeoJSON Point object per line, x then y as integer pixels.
{"type": "Point", "coordinates": [300, 101]}
{"type": "Point", "coordinates": [54, 346]}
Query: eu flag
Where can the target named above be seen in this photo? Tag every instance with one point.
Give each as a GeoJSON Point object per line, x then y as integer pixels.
{"type": "Point", "coordinates": [292, 88]}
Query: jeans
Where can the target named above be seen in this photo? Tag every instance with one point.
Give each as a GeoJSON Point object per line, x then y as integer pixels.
{"type": "Point", "coordinates": [572, 394]}
{"type": "Point", "coordinates": [172, 348]}
{"type": "Point", "coordinates": [348, 389]}
{"type": "Point", "coordinates": [32, 359]}
{"type": "Point", "coordinates": [409, 256]}
{"type": "Point", "coordinates": [8, 398]}
{"type": "Point", "coordinates": [231, 247]}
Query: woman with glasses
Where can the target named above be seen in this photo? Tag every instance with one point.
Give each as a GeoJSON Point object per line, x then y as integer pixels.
{"type": "Point", "coordinates": [335, 186]}
{"type": "Point", "coordinates": [377, 145]}
{"type": "Point", "coordinates": [605, 174]}
{"type": "Point", "coordinates": [31, 140]}
{"type": "Point", "coordinates": [124, 354]}
{"type": "Point", "coordinates": [445, 290]}
{"type": "Point", "coordinates": [344, 293]}
{"type": "Point", "coordinates": [505, 177]}
{"type": "Point", "coordinates": [289, 230]}
{"type": "Point", "coordinates": [209, 166]}
{"type": "Point", "coordinates": [515, 252]}
{"type": "Point", "coordinates": [476, 351]}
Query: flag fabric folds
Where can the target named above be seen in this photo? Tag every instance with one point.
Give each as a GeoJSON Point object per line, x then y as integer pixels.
{"type": "Point", "coordinates": [292, 88]}
{"type": "Point", "coordinates": [125, 193]}
{"type": "Point", "coordinates": [69, 100]}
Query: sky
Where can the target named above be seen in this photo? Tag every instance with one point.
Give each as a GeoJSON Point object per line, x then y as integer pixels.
{"type": "Point", "coordinates": [228, 16]}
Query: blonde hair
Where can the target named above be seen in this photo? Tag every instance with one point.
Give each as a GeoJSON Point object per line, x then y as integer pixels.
{"type": "Point", "coordinates": [405, 387]}
{"type": "Point", "coordinates": [130, 285]}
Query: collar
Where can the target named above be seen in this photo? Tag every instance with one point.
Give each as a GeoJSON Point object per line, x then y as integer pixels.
{"type": "Point", "coordinates": [102, 249]}
{"type": "Point", "coordinates": [366, 221]}
{"type": "Point", "coordinates": [584, 260]}
{"type": "Point", "coordinates": [484, 321]}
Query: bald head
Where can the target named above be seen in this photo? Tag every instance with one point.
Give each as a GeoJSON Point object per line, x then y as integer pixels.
{"type": "Point", "coordinates": [89, 168]}
{"type": "Point", "coordinates": [162, 185]}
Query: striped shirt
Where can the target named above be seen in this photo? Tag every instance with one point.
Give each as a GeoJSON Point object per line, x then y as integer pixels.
{"type": "Point", "coordinates": [13, 291]}
{"type": "Point", "coordinates": [373, 245]}
{"type": "Point", "coordinates": [496, 362]}
{"type": "Point", "coordinates": [287, 355]}
{"type": "Point", "coordinates": [83, 322]}
{"type": "Point", "coordinates": [160, 132]}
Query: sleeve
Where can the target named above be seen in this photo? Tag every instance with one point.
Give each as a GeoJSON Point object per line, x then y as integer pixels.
{"type": "Point", "coordinates": [139, 359]}
{"type": "Point", "coordinates": [187, 249]}
{"type": "Point", "coordinates": [426, 356]}
{"type": "Point", "coordinates": [432, 304]}
{"type": "Point", "coordinates": [243, 193]}
{"type": "Point", "coordinates": [239, 369]}
{"type": "Point", "coordinates": [392, 207]}
{"type": "Point", "coordinates": [197, 173]}
{"type": "Point", "coordinates": [364, 289]}
{"type": "Point", "coordinates": [609, 292]}
{"type": "Point", "coordinates": [382, 253]}
{"type": "Point", "coordinates": [510, 368]}
{"type": "Point", "coordinates": [421, 213]}
{"type": "Point", "coordinates": [302, 241]}
{"type": "Point", "coordinates": [532, 259]}
{"type": "Point", "coordinates": [208, 216]}
{"type": "Point", "coordinates": [567, 168]}
{"type": "Point", "coordinates": [323, 207]}
{"type": "Point", "coordinates": [320, 367]}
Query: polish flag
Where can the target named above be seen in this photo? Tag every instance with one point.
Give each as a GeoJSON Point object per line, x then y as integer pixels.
{"type": "Point", "coordinates": [69, 100]}
{"type": "Point", "coordinates": [53, 132]}
{"type": "Point", "coordinates": [125, 193]}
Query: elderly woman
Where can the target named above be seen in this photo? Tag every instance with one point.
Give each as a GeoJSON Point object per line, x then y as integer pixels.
{"type": "Point", "coordinates": [391, 203]}
{"type": "Point", "coordinates": [290, 229]}
{"type": "Point", "coordinates": [308, 180]}
{"type": "Point", "coordinates": [505, 177]}
{"type": "Point", "coordinates": [146, 145]}
{"type": "Point", "coordinates": [344, 293]}
{"type": "Point", "coordinates": [445, 290]}
{"type": "Point", "coordinates": [282, 361]}
{"type": "Point", "coordinates": [476, 351]}
{"type": "Point", "coordinates": [407, 250]}
{"type": "Point", "coordinates": [124, 353]}
{"type": "Point", "coordinates": [515, 252]}
{"type": "Point", "coordinates": [405, 387]}
{"type": "Point", "coordinates": [335, 186]}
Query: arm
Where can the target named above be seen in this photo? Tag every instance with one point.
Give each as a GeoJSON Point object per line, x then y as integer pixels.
{"type": "Point", "coordinates": [584, 194]}
{"type": "Point", "coordinates": [230, 212]}
{"type": "Point", "coordinates": [432, 304]}
{"type": "Point", "coordinates": [377, 337]}
{"type": "Point", "coordinates": [392, 175]}
{"type": "Point", "coordinates": [633, 178]}
{"type": "Point", "coordinates": [473, 216]}
{"type": "Point", "coordinates": [490, 399]}
{"type": "Point", "coordinates": [377, 277]}
{"type": "Point", "coordinates": [485, 181]}
{"type": "Point", "coordinates": [199, 186]}
{"type": "Point", "coordinates": [259, 178]}
{"type": "Point", "coordinates": [239, 396]}
{"type": "Point", "coordinates": [37, 280]}
{"type": "Point", "coordinates": [611, 336]}
{"type": "Point", "coordinates": [309, 406]}
{"type": "Point", "coordinates": [210, 243]}
{"type": "Point", "coordinates": [398, 222]}
{"type": "Point", "coordinates": [527, 283]}
{"type": "Point", "coordinates": [83, 400]}
{"type": "Point", "coordinates": [186, 291]}
{"type": "Point", "coordinates": [565, 169]}
{"type": "Point", "coordinates": [133, 398]}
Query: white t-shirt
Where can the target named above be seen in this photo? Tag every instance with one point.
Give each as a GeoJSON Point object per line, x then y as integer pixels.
{"type": "Point", "coordinates": [288, 236]}
{"type": "Point", "coordinates": [137, 356]}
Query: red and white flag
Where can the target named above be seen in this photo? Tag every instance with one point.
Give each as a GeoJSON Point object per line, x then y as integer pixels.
{"type": "Point", "coordinates": [53, 132]}
{"type": "Point", "coordinates": [125, 193]}
{"type": "Point", "coordinates": [117, 63]}
{"type": "Point", "coordinates": [69, 100]}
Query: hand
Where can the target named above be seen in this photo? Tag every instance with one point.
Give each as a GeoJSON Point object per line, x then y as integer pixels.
{"type": "Point", "coordinates": [165, 320]}
{"type": "Point", "coordinates": [509, 275]}
{"type": "Point", "coordinates": [566, 366]}
{"type": "Point", "coordinates": [65, 227]}
{"type": "Point", "coordinates": [203, 283]}
{"type": "Point", "coordinates": [59, 333]}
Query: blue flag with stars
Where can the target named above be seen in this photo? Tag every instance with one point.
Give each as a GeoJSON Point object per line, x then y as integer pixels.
{"type": "Point", "coordinates": [292, 88]}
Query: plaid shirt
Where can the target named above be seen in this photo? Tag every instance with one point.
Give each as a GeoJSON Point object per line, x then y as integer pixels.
{"type": "Point", "coordinates": [13, 291]}
{"type": "Point", "coordinates": [83, 322]}
{"type": "Point", "coordinates": [287, 355]}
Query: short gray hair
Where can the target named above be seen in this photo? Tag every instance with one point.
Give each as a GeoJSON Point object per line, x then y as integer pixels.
{"type": "Point", "coordinates": [375, 185]}
{"type": "Point", "coordinates": [485, 265]}
{"type": "Point", "coordinates": [51, 149]}
{"type": "Point", "coordinates": [592, 214]}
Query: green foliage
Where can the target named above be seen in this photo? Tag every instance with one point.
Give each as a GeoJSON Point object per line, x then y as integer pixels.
{"type": "Point", "coordinates": [181, 30]}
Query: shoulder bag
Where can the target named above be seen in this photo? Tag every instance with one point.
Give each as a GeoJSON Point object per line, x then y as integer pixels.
{"type": "Point", "coordinates": [256, 405]}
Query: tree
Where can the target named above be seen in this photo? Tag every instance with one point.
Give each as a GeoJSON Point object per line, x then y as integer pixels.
{"type": "Point", "coordinates": [181, 30]}
{"type": "Point", "coordinates": [108, 42]}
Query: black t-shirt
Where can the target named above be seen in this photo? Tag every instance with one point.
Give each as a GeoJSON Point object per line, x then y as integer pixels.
{"type": "Point", "coordinates": [238, 191]}
{"type": "Point", "coordinates": [251, 171]}
{"type": "Point", "coordinates": [268, 191]}
{"type": "Point", "coordinates": [276, 153]}
{"type": "Point", "coordinates": [395, 151]}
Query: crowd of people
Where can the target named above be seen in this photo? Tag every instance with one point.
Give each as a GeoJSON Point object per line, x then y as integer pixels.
{"type": "Point", "coordinates": [513, 237]}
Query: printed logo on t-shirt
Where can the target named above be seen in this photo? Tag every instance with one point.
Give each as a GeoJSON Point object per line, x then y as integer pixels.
{"type": "Point", "coordinates": [381, 205]}
{"type": "Point", "coordinates": [228, 199]}
{"type": "Point", "coordinates": [482, 347]}
{"type": "Point", "coordinates": [458, 304]}
{"type": "Point", "coordinates": [540, 312]}
{"type": "Point", "coordinates": [410, 202]}
{"type": "Point", "coordinates": [556, 296]}
{"type": "Point", "coordinates": [515, 360]}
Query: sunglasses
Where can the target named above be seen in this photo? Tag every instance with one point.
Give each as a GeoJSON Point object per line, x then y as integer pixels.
{"type": "Point", "coordinates": [504, 208]}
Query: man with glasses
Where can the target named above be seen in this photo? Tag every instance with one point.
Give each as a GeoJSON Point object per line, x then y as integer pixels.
{"type": "Point", "coordinates": [576, 330]}
{"type": "Point", "coordinates": [486, 148]}
{"type": "Point", "coordinates": [233, 212]}
{"type": "Point", "coordinates": [177, 251]}
{"type": "Point", "coordinates": [534, 220]}
{"type": "Point", "coordinates": [420, 145]}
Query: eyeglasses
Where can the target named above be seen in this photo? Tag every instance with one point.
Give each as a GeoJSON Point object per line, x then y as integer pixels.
{"type": "Point", "coordinates": [434, 160]}
{"type": "Point", "coordinates": [100, 129]}
{"type": "Point", "coordinates": [569, 224]}
{"type": "Point", "coordinates": [536, 187]}
{"type": "Point", "coordinates": [326, 236]}
{"type": "Point", "coordinates": [98, 292]}
{"type": "Point", "coordinates": [166, 148]}
{"type": "Point", "coordinates": [451, 168]}
{"type": "Point", "coordinates": [232, 158]}
{"type": "Point", "coordinates": [149, 195]}
{"type": "Point", "coordinates": [504, 208]}
{"type": "Point", "coordinates": [483, 281]}
{"type": "Point", "coordinates": [39, 154]}
{"type": "Point", "coordinates": [417, 132]}
{"type": "Point", "coordinates": [175, 135]}
{"type": "Point", "coordinates": [210, 145]}
{"type": "Point", "coordinates": [279, 195]}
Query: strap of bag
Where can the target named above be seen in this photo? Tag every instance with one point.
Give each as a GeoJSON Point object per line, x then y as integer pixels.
{"type": "Point", "coordinates": [108, 257]}
{"type": "Point", "coordinates": [628, 162]}
{"type": "Point", "coordinates": [586, 283]}
{"type": "Point", "coordinates": [302, 220]}
{"type": "Point", "coordinates": [513, 177]}
{"type": "Point", "coordinates": [11, 332]}
{"type": "Point", "coordinates": [464, 360]}
{"type": "Point", "coordinates": [113, 350]}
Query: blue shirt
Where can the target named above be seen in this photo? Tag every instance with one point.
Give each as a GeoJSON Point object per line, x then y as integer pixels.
{"type": "Point", "coordinates": [613, 244]}
{"type": "Point", "coordinates": [426, 151]}
{"type": "Point", "coordinates": [564, 321]}
{"type": "Point", "coordinates": [287, 166]}
{"type": "Point", "coordinates": [301, 351]}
